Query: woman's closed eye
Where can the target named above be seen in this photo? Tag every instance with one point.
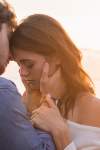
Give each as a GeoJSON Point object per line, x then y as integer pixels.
{"type": "Point", "coordinates": [29, 66]}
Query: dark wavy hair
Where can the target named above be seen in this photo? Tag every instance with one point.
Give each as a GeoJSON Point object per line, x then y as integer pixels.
{"type": "Point", "coordinates": [44, 35]}
{"type": "Point", "coordinates": [7, 14]}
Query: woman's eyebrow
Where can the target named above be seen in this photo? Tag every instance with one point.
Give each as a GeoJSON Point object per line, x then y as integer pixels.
{"type": "Point", "coordinates": [22, 60]}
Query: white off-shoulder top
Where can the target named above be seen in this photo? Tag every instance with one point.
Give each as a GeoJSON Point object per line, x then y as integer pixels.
{"type": "Point", "coordinates": [83, 137]}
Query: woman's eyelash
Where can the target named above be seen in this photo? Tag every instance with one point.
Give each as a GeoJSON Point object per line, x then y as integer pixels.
{"type": "Point", "coordinates": [30, 66]}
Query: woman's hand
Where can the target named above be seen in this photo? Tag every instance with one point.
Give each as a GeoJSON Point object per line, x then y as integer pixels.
{"type": "Point", "coordinates": [54, 85]}
{"type": "Point", "coordinates": [27, 86]}
{"type": "Point", "coordinates": [31, 97]}
{"type": "Point", "coordinates": [44, 117]}
{"type": "Point", "coordinates": [50, 120]}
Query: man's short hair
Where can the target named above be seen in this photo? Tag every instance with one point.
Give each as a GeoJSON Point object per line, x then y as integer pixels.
{"type": "Point", "coordinates": [7, 14]}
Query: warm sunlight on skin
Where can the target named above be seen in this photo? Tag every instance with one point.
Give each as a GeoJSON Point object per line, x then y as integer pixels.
{"type": "Point", "coordinates": [81, 20]}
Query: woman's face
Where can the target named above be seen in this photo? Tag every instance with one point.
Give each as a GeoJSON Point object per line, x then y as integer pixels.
{"type": "Point", "coordinates": [31, 65]}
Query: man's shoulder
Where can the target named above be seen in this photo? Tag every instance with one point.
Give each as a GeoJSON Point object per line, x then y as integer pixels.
{"type": "Point", "coordinates": [5, 83]}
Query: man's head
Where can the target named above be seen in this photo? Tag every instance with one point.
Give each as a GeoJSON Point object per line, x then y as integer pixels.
{"type": "Point", "coordinates": [7, 25]}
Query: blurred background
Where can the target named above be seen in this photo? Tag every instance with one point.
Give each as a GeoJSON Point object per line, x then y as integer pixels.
{"type": "Point", "coordinates": [81, 20]}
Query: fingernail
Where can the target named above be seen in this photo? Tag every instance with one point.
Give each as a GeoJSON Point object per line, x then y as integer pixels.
{"type": "Point", "coordinates": [49, 95]}
{"type": "Point", "coordinates": [46, 64]}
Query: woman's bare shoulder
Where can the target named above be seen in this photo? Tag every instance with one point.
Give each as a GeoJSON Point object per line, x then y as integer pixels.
{"type": "Point", "coordinates": [90, 110]}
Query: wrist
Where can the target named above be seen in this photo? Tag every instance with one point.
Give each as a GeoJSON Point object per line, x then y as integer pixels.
{"type": "Point", "coordinates": [61, 136]}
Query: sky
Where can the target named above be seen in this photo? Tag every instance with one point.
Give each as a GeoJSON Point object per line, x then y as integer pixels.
{"type": "Point", "coordinates": [80, 18]}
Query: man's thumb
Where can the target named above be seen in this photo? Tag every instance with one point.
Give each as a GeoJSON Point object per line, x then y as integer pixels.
{"type": "Point", "coordinates": [51, 102]}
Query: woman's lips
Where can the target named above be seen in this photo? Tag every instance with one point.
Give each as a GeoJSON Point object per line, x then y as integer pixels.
{"type": "Point", "coordinates": [29, 81]}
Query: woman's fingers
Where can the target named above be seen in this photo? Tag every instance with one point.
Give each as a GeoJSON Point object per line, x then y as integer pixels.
{"type": "Point", "coordinates": [33, 115]}
{"type": "Point", "coordinates": [34, 111]}
{"type": "Point", "coordinates": [44, 79]}
{"type": "Point", "coordinates": [51, 102]}
{"type": "Point", "coordinates": [32, 121]}
{"type": "Point", "coordinates": [45, 72]}
{"type": "Point", "coordinates": [27, 85]}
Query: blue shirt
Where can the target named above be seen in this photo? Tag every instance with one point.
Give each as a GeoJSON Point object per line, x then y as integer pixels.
{"type": "Point", "coordinates": [16, 131]}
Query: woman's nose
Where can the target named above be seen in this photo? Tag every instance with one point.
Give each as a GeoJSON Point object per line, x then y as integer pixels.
{"type": "Point", "coordinates": [23, 71]}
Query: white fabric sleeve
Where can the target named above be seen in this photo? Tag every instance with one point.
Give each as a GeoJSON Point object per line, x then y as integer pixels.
{"type": "Point", "coordinates": [71, 146]}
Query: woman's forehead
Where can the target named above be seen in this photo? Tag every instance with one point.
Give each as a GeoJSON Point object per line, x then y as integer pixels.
{"type": "Point", "coordinates": [23, 55]}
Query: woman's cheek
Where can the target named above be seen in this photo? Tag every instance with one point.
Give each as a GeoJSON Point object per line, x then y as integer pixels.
{"type": "Point", "coordinates": [38, 72]}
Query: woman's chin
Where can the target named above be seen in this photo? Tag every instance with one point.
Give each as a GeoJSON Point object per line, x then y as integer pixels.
{"type": "Point", "coordinates": [35, 87]}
